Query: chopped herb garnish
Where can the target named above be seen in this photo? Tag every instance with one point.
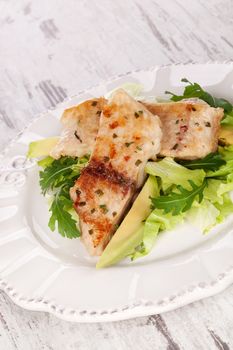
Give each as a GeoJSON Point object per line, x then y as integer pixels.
{"type": "Point", "coordinates": [175, 146]}
{"type": "Point", "coordinates": [81, 204]}
{"type": "Point", "coordinates": [114, 213]}
{"type": "Point", "coordinates": [77, 137]}
{"type": "Point", "coordinates": [92, 210]}
{"type": "Point", "coordinates": [152, 143]}
{"type": "Point", "coordinates": [177, 121]}
{"type": "Point", "coordinates": [98, 112]}
{"type": "Point", "coordinates": [138, 113]}
{"type": "Point", "coordinates": [99, 192]}
{"type": "Point", "coordinates": [94, 103]}
{"type": "Point", "coordinates": [106, 159]}
{"type": "Point", "coordinates": [78, 192]}
{"type": "Point", "coordinates": [138, 162]}
{"type": "Point", "coordinates": [127, 144]}
{"type": "Point", "coordinates": [91, 232]}
{"type": "Point", "coordinates": [197, 124]}
{"type": "Point", "coordinates": [139, 148]}
{"type": "Point", "coordinates": [114, 136]}
{"type": "Point", "coordinates": [207, 124]}
{"type": "Point", "coordinates": [104, 208]}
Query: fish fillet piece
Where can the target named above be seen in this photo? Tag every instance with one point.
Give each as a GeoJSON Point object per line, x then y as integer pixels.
{"type": "Point", "coordinates": [80, 127]}
{"type": "Point", "coordinates": [128, 136]}
{"type": "Point", "coordinates": [190, 129]}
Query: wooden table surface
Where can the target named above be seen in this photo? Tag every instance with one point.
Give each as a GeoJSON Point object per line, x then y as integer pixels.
{"type": "Point", "coordinates": [52, 49]}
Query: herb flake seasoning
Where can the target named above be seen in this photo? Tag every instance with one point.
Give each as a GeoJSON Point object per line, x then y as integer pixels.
{"type": "Point", "coordinates": [106, 159]}
{"type": "Point", "coordinates": [104, 208]}
{"type": "Point", "coordinates": [127, 144]}
{"type": "Point", "coordinates": [138, 113]}
{"type": "Point", "coordinates": [77, 137]}
{"type": "Point", "coordinates": [138, 162]}
{"type": "Point", "coordinates": [99, 192]}
{"type": "Point", "coordinates": [175, 146]}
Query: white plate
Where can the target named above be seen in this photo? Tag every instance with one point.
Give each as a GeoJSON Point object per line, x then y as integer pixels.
{"type": "Point", "coordinates": [40, 270]}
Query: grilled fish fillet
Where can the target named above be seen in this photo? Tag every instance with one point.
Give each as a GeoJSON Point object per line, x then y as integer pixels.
{"type": "Point", "coordinates": [128, 136]}
{"type": "Point", "coordinates": [190, 129]}
{"type": "Point", "coordinates": [80, 127]}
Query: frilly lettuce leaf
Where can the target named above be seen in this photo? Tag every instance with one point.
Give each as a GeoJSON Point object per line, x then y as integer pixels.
{"type": "Point", "coordinates": [203, 215]}
{"type": "Point", "coordinates": [223, 171]}
{"type": "Point", "coordinates": [225, 209]}
{"type": "Point", "coordinates": [172, 173]}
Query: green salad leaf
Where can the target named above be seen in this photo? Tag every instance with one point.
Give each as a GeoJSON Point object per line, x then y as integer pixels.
{"type": "Point", "coordinates": [212, 161]}
{"type": "Point", "coordinates": [203, 215]}
{"type": "Point", "coordinates": [228, 119]}
{"type": "Point", "coordinates": [226, 152]}
{"type": "Point", "coordinates": [61, 204]}
{"type": "Point", "coordinates": [156, 222]}
{"type": "Point", "coordinates": [172, 173]}
{"type": "Point", "coordinates": [223, 171]}
{"type": "Point", "coordinates": [56, 179]}
{"type": "Point", "coordinates": [194, 90]}
{"type": "Point", "coordinates": [225, 209]}
{"type": "Point", "coordinates": [181, 200]}
{"type": "Point", "coordinates": [59, 171]}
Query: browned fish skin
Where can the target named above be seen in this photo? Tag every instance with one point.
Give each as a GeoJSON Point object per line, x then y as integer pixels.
{"type": "Point", "coordinates": [128, 136]}
{"type": "Point", "coordinates": [190, 129]}
{"type": "Point", "coordinates": [80, 128]}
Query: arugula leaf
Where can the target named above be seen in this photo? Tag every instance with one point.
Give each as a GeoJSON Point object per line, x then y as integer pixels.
{"type": "Point", "coordinates": [66, 225]}
{"type": "Point", "coordinates": [58, 176]}
{"type": "Point", "coordinates": [212, 161]}
{"type": "Point", "coordinates": [194, 90]}
{"type": "Point", "coordinates": [60, 171]}
{"type": "Point", "coordinates": [180, 201]}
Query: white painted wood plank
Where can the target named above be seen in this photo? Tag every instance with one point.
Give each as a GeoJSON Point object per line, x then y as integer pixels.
{"type": "Point", "coordinates": [51, 49]}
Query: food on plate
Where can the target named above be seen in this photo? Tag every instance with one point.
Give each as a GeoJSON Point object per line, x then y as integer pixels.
{"type": "Point", "coordinates": [80, 127]}
{"type": "Point", "coordinates": [125, 169]}
{"type": "Point", "coordinates": [129, 135]}
{"type": "Point", "coordinates": [42, 148]}
{"type": "Point", "coordinates": [130, 232]}
{"type": "Point", "coordinates": [190, 129]}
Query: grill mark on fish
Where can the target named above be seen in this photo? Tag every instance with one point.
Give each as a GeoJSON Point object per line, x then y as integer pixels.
{"type": "Point", "coordinates": [99, 170]}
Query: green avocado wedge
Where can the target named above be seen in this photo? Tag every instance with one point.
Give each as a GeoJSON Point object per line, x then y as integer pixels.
{"type": "Point", "coordinates": [130, 233]}
{"type": "Point", "coordinates": [41, 148]}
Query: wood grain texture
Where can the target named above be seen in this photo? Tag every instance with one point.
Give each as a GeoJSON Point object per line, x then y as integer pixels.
{"type": "Point", "coordinates": [52, 49]}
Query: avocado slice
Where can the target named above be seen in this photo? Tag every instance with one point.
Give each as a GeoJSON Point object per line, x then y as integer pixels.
{"type": "Point", "coordinates": [130, 233]}
{"type": "Point", "coordinates": [41, 148]}
{"type": "Point", "coordinates": [226, 136]}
